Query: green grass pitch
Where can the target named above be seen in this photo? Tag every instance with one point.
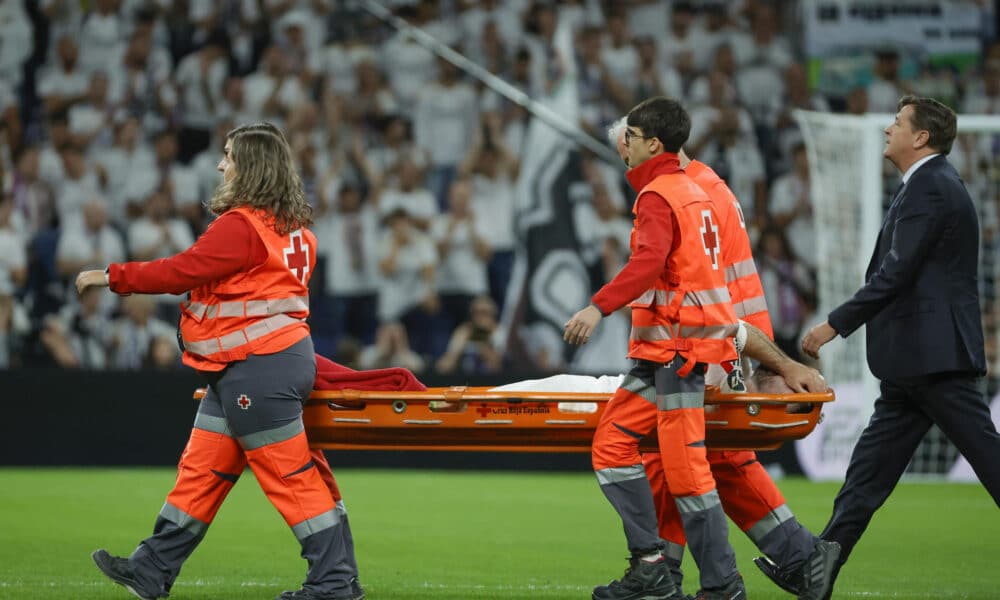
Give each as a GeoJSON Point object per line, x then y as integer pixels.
{"type": "Point", "coordinates": [457, 535]}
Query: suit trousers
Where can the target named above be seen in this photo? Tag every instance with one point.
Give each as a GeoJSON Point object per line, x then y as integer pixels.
{"type": "Point", "coordinates": [903, 414]}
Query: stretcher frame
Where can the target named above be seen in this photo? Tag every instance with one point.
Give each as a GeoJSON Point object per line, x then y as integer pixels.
{"type": "Point", "coordinates": [461, 418]}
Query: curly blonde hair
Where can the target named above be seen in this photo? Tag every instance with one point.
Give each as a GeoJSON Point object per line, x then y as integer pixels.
{"type": "Point", "coordinates": [266, 178]}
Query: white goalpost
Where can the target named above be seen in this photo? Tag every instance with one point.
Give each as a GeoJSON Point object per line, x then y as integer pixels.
{"type": "Point", "coordinates": [850, 184]}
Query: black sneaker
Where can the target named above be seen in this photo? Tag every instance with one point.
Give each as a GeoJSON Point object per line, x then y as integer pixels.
{"type": "Point", "coordinates": [642, 581]}
{"type": "Point", "coordinates": [734, 590]}
{"type": "Point", "coordinates": [820, 571]}
{"type": "Point", "coordinates": [789, 580]}
{"type": "Point", "coordinates": [355, 593]}
{"type": "Point", "coordinates": [118, 570]}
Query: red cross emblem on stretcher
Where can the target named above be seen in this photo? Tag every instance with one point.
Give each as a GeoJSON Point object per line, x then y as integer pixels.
{"type": "Point", "coordinates": [244, 401]}
{"type": "Point", "coordinates": [710, 238]}
{"type": "Point", "coordinates": [483, 410]}
{"type": "Point", "coordinates": [297, 255]}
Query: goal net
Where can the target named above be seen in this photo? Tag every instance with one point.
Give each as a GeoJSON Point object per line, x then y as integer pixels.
{"type": "Point", "coordinates": [851, 186]}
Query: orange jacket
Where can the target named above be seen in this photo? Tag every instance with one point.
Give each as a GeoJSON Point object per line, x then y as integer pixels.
{"type": "Point", "coordinates": [745, 288]}
{"type": "Point", "coordinates": [261, 311]}
{"type": "Point", "coordinates": [688, 309]}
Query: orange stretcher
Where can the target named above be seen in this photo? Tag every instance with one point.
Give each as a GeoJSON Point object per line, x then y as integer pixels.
{"type": "Point", "coordinates": [463, 418]}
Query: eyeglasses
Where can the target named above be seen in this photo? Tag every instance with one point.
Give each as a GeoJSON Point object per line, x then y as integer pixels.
{"type": "Point", "coordinates": [629, 136]}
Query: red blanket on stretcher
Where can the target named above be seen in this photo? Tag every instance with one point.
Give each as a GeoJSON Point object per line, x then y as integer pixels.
{"type": "Point", "coordinates": [334, 376]}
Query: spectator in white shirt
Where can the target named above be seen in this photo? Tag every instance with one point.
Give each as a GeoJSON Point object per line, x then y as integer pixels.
{"type": "Point", "coordinates": [618, 54]}
{"type": "Point", "coordinates": [274, 88]}
{"type": "Point", "coordinates": [143, 84]}
{"type": "Point", "coordinates": [764, 44]}
{"type": "Point", "coordinates": [102, 36]}
{"type": "Point", "coordinates": [82, 183]}
{"type": "Point", "coordinates": [373, 100]}
{"type": "Point", "coordinates": [493, 170]}
{"type": "Point", "coordinates": [685, 47]}
{"type": "Point", "coordinates": [790, 207]}
{"type": "Point", "coordinates": [654, 78]}
{"type": "Point", "coordinates": [396, 145]}
{"type": "Point", "coordinates": [90, 119]}
{"type": "Point", "coordinates": [348, 234]}
{"type": "Point", "coordinates": [159, 234]}
{"type": "Point", "coordinates": [66, 82]}
{"type": "Point", "coordinates": [168, 175]}
{"type": "Point", "coordinates": [407, 267]}
{"type": "Point", "coordinates": [16, 40]}
{"type": "Point", "coordinates": [130, 153]}
{"type": "Point", "coordinates": [444, 124]}
{"type": "Point", "coordinates": [89, 243]}
{"type": "Point", "coordinates": [408, 65]}
{"type": "Point", "coordinates": [408, 193]}
{"type": "Point", "coordinates": [463, 254]}
{"type": "Point", "coordinates": [140, 340]}
{"type": "Point", "coordinates": [886, 87]}
{"type": "Point", "coordinates": [604, 234]}
{"type": "Point", "coordinates": [199, 79]}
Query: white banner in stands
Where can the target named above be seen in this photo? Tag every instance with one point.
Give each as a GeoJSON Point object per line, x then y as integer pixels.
{"type": "Point", "coordinates": [824, 453]}
{"type": "Point", "coordinates": [835, 27]}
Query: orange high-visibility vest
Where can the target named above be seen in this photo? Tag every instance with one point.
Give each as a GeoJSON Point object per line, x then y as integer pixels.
{"type": "Point", "coordinates": [261, 311]}
{"type": "Point", "coordinates": [744, 284]}
{"type": "Point", "coordinates": [688, 309]}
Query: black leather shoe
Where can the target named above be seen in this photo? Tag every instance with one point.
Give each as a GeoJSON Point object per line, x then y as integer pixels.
{"type": "Point", "coordinates": [118, 570]}
{"type": "Point", "coordinates": [820, 571]}
{"type": "Point", "coordinates": [735, 590]}
{"type": "Point", "coordinates": [789, 580]}
{"type": "Point", "coordinates": [354, 593]}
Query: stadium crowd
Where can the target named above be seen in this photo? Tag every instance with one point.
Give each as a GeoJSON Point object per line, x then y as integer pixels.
{"type": "Point", "coordinates": [112, 121]}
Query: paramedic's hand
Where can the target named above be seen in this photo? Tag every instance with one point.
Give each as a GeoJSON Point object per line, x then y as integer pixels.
{"type": "Point", "coordinates": [89, 279]}
{"type": "Point", "coordinates": [817, 336]}
{"type": "Point", "coordinates": [579, 328]}
{"type": "Point", "coordinates": [802, 378]}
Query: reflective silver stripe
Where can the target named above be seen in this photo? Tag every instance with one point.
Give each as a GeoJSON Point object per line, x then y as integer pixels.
{"type": "Point", "coordinates": [195, 308]}
{"type": "Point", "coordinates": [674, 551]}
{"type": "Point", "coordinates": [316, 524]}
{"type": "Point", "coordinates": [740, 269]}
{"type": "Point", "coordinates": [183, 520]}
{"type": "Point", "coordinates": [654, 333]}
{"type": "Point", "coordinates": [655, 297]}
{"type": "Point", "coordinates": [213, 424]}
{"type": "Point", "coordinates": [647, 297]}
{"type": "Point", "coordinates": [231, 309]}
{"type": "Point", "coordinates": [618, 474]}
{"type": "Point", "coordinates": [633, 384]}
{"type": "Point", "coordinates": [769, 522]}
{"type": "Point", "coordinates": [212, 312]}
{"type": "Point", "coordinates": [680, 400]}
{"type": "Point", "coordinates": [239, 337]}
{"type": "Point", "coordinates": [272, 436]}
{"type": "Point", "coordinates": [340, 507]}
{"type": "Point", "coordinates": [713, 332]}
{"type": "Point", "coordinates": [750, 306]}
{"type": "Point", "coordinates": [693, 504]}
{"type": "Point", "coordinates": [705, 297]}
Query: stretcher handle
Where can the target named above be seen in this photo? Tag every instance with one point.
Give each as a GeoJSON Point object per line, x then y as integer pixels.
{"type": "Point", "coordinates": [358, 398]}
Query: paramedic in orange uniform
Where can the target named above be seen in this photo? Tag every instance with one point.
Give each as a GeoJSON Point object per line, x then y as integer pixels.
{"type": "Point", "coordinates": [244, 329]}
{"type": "Point", "coordinates": [749, 496]}
{"type": "Point", "coordinates": [682, 321]}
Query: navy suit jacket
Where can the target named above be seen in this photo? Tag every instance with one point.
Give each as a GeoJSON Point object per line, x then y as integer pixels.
{"type": "Point", "coordinates": [921, 298]}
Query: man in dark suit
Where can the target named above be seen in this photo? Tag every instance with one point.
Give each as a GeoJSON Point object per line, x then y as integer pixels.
{"type": "Point", "coordinates": [924, 337]}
